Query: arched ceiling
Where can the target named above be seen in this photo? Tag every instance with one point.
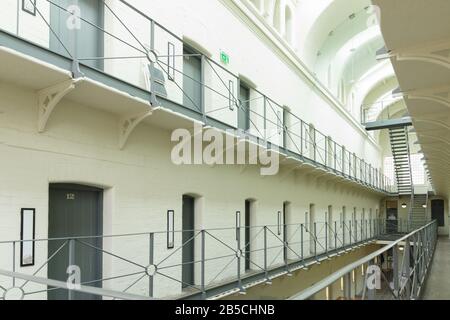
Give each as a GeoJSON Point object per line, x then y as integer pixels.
{"type": "Point", "coordinates": [342, 45]}
{"type": "Point", "coordinates": [381, 90]}
{"type": "Point", "coordinates": [322, 16]}
{"type": "Point", "coordinates": [339, 42]}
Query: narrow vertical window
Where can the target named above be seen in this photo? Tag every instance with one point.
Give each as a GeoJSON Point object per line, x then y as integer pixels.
{"type": "Point", "coordinates": [170, 229]}
{"type": "Point", "coordinates": [29, 6]}
{"type": "Point", "coordinates": [27, 233]}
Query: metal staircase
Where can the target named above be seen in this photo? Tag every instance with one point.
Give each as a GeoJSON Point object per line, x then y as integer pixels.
{"type": "Point", "coordinates": [419, 211]}
{"type": "Point", "coordinates": [402, 161]}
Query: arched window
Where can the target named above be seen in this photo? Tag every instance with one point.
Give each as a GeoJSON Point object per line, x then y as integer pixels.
{"type": "Point", "coordinates": [289, 22]}
{"type": "Point", "coordinates": [277, 19]}
{"type": "Point", "coordinates": [329, 74]}
{"type": "Point", "coordinates": [258, 5]}
{"type": "Point", "coordinates": [352, 103]}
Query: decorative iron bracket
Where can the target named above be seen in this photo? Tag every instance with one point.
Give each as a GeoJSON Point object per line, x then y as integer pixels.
{"type": "Point", "coordinates": [49, 98]}
{"type": "Point", "coordinates": [127, 125]}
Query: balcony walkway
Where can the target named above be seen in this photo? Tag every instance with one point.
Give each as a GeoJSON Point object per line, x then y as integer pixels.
{"type": "Point", "coordinates": [438, 283]}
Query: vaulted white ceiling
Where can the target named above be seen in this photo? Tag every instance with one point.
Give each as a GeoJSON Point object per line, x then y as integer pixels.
{"type": "Point", "coordinates": [417, 36]}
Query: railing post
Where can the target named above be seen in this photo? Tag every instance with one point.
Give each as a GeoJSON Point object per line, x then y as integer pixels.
{"type": "Point", "coordinates": [395, 268]}
{"type": "Point", "coordinates": [202, 88]}
{"type": "Point", "coordinates": [301, 243]}
{"type": "Point", "coordinates": [71, 263]}
{"type": "Point", "coordinates": [76, 72]}
{"type": "Point", "coordinates": [406, 272]}
{"type": "Point", "coordinates": [14, 262]}
{"type": "Point", "coordinates": [286, 264]}
{"type": "Point", "coordinates": [301, 137]}
{"type": "Point", "coordinates": [343, 232]}
{"type": "Point", "coordinates": [266, 271]}
{"type": "Point", "coordinates": [238, 256]}
{"type": "Point", "coordinates": [153, 100]}
{"type": "Point", "coordinates": [151, 263]}
{"type": "Point", "coordinates": [335, 235]}
{"type": "Point", "coordinates": [371, 294]}
{"type": "Point", "coordinates": [326, 237]}
{"type": "Point", "coordinates": [202, 284]}
{"type": "Point", "coordinates": [366, 229]}
{"type": "Point", "coordinates": [315, 240]}
{"type": "Point", "coordinates": [265, 118]}
{"type": "Point", "coordinates": [335, 156]}
{"type": "Point", "coordinates": [350, 233]}
{"type": "Point", "coordinates": [347, 287]}
{"type": "Point", "coordinates": [314, 144]}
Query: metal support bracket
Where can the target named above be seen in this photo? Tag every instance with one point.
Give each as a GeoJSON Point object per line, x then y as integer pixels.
{"type": "Point", "coordinates": [49, 98]}
{"type": "Point", "coordinates": [127, 125]}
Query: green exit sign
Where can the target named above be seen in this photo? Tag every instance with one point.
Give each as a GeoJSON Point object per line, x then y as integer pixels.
{"type": "Point", "coordinates": [224, 57]}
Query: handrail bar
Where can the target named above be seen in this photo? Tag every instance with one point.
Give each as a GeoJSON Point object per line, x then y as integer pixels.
{"type": "Point", "coordinates": [326, 282]}
{"type": "Point", "coordinates": [80, 288]}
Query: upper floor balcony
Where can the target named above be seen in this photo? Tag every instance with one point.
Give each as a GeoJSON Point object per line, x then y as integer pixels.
{"type": "Point", "coordinates": [114, 51]}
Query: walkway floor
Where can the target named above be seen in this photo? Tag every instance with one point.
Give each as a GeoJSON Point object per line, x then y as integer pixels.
{"type": "Point", "coordinates": [438, 283]}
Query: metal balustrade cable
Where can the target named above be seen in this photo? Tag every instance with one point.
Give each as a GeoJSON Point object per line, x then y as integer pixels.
{"type": "Point", "coordinates": [289, 246]}
{"type": "Point", "coordinates": [319, 151]}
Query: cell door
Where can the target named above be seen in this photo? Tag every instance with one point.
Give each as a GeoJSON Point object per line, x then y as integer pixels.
{"type": "Point", "coordinates": [192, 77]}
{"type": "Point", "coordinates": [312, 230]}
{"type": "Point", "coordinates": [75, 211]}
{"type": "Point", "coordinates": [344, 225]}
{"type": "Point", "coordinates": [437, 212]}
{"type": "Point", "coordinates": [77, 35]}
{"type": "Point", "coordinates": [188, 250]}
{"type": "Point", "coordinates": [330, 227]}
{"type": "Point", "coordinates": [244, 110]}
{"type": "Point", "coordinates": [312, 142]}
{"type": "Point", "coordinates": [392, 217]}
{"type": "Point", "coordinates": [247, 245]}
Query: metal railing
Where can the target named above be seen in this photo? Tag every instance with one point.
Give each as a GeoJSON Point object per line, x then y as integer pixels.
{"type": "Point", "coordinates": [141, 52]}
{"type": "Point", "coordinates": [383, 110]}
{"type": "Point", "coordinates": [199, 264]}
{"type": "Point", "coordinates": [410, 258]}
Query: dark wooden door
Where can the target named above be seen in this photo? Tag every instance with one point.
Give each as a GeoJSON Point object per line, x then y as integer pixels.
{"type": "Point", "coordinates": [75, 211]}
{"type": "Point", "coordinates": [88, 40]}
{"type": "Point", "coordinates": [188, 250]}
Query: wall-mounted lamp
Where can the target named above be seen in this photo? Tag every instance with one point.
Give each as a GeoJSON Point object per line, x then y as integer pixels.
{"type": "Point", "coordinates": [424, 205]}
{"type": "Point", "coordinates": [404, 205]}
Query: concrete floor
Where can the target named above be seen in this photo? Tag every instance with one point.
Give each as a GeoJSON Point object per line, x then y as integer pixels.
{"type": "Point", "coordinates": [438, 284]}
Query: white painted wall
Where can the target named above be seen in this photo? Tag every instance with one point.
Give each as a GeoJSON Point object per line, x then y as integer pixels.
{"type": "Point", "coordinates": [31, 27]}
{"type": "Point", "coordinates": [141, 183]}
{"type": "Point", "coordinates": [252, 54]}
{"type": "Point", "coordinates": [257, 61]}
